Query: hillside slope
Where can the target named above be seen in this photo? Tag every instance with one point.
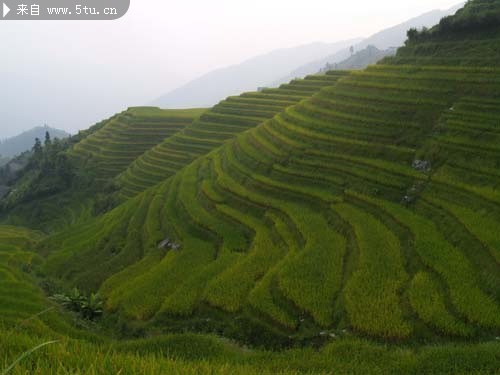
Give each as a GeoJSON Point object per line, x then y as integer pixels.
{"type": "Point", "coordinates": [72, 180]}
{"type": "Point", "coordinates": [471, 38]}
{"type": "Point", "coordinates": [313, 197]}
{"type": "Point", "coordinates": [128, 135]}
{"type": "Point", "coordinates": [221, 123]}
{"type": "Point", "coordinates": [366, 213]}
{"type": "Point", "coordinates": [36, 337]}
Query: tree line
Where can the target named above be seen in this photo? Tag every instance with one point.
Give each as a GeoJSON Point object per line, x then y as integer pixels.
{"type": "Point", "coordinates": [44, 170]}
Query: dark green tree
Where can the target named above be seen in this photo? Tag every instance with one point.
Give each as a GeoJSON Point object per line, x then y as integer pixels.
{"type": "Point", "coordinates": [37, 149]}
{"type": "Point", "coordinates": [48, 141]}
{"type": "Point", "coordinates": [412, 34]}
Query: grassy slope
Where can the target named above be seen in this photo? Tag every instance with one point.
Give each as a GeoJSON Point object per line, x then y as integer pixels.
{"type": "Point", "coordinates": [223, 122]}
{"type": "Point", "coordinates": [205, 355]}
{"type": "Point", "coordinates": [98, 155]}
{"type": "Point", "coordinates": [128, 135]}
{"type": "Point", "coordinates": [252, 217]}
{"type": "Point", "coordinates": [28, 320]}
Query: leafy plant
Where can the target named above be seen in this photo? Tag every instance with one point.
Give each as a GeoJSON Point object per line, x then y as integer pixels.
{"type": "Point", "coordinates": [90, 307]}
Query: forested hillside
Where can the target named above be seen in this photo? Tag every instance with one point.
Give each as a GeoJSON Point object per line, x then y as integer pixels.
{"type": "Point", "coordinates": [14, 146]}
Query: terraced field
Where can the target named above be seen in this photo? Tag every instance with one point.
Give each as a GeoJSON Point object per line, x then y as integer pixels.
{"type": "Point", "coordinates": [17, 298]}
{"type": "Point", "coordinates": [128, 135]}
{"type": "Point", "coordinates": [445, 53]}
{"type": "Point", "coordinates": [35, 338]}
{"type": "Point", "coordinates": [23, 306]}
{"type": "Point", "coordinates": [218, 125]}
{"type": "Point", "coordinates": [344, 212]}
{"type": "Point", "coordinates": [352, 217]}
{"type": "Point", "coordinates": [53, 213]}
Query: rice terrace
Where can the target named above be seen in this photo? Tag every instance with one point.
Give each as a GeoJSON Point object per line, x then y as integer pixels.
{"type": "Point", "coordinates": [345, 222]}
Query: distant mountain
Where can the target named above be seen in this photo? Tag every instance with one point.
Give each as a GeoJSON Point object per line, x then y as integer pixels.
{"type": "Point", "coordinates": [11, 147]}
{"type": "Point", "coordinates": [383, 40]}
{"type": "Point", "coordinates": [361, 59]}
{"type": "Point", "coordinates": [209, 89]}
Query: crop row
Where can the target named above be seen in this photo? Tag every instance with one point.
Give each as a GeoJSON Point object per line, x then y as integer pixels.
{"type": "Point", "coordinates": [223, 122]}
{"type": "Point", "coordinates": [129, 134]}
{"type": "Point", "coordinates": [450, 264]}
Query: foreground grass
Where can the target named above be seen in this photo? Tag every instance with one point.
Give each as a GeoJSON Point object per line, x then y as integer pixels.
{"type": "Point", "coordinates": [197, 354]}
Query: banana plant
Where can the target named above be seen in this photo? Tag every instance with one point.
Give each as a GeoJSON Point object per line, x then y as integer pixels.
{"type": "Point", "coordinates": [92, 307]}
{"type": "Point", "coordinates": [89, 307]}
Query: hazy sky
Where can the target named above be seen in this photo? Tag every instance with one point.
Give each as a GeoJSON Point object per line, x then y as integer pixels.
{"type": "Point", "coordinates": [93, 69]}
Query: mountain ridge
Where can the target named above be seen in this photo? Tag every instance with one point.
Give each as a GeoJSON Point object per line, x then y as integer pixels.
{"type": "Point", "coordinates": [255, 72]}
{"type": "Point", "coordinates": [388, 38]}
{"type": "Point", "coordinates": [13, 146]}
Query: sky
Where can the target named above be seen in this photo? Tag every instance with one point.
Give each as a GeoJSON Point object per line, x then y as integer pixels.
{"type": "Point", "coordinates": [71, 74]}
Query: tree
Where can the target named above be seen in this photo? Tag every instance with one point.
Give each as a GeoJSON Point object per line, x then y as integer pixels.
{"type": "Point", "coordinates": [47, 139]}
{"type": "Point", "coordinates": [412, 34]}
{"type": "Point", "coordinates": [37, 149]}
{"type": "Point", "coordinates": [351, 50]}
